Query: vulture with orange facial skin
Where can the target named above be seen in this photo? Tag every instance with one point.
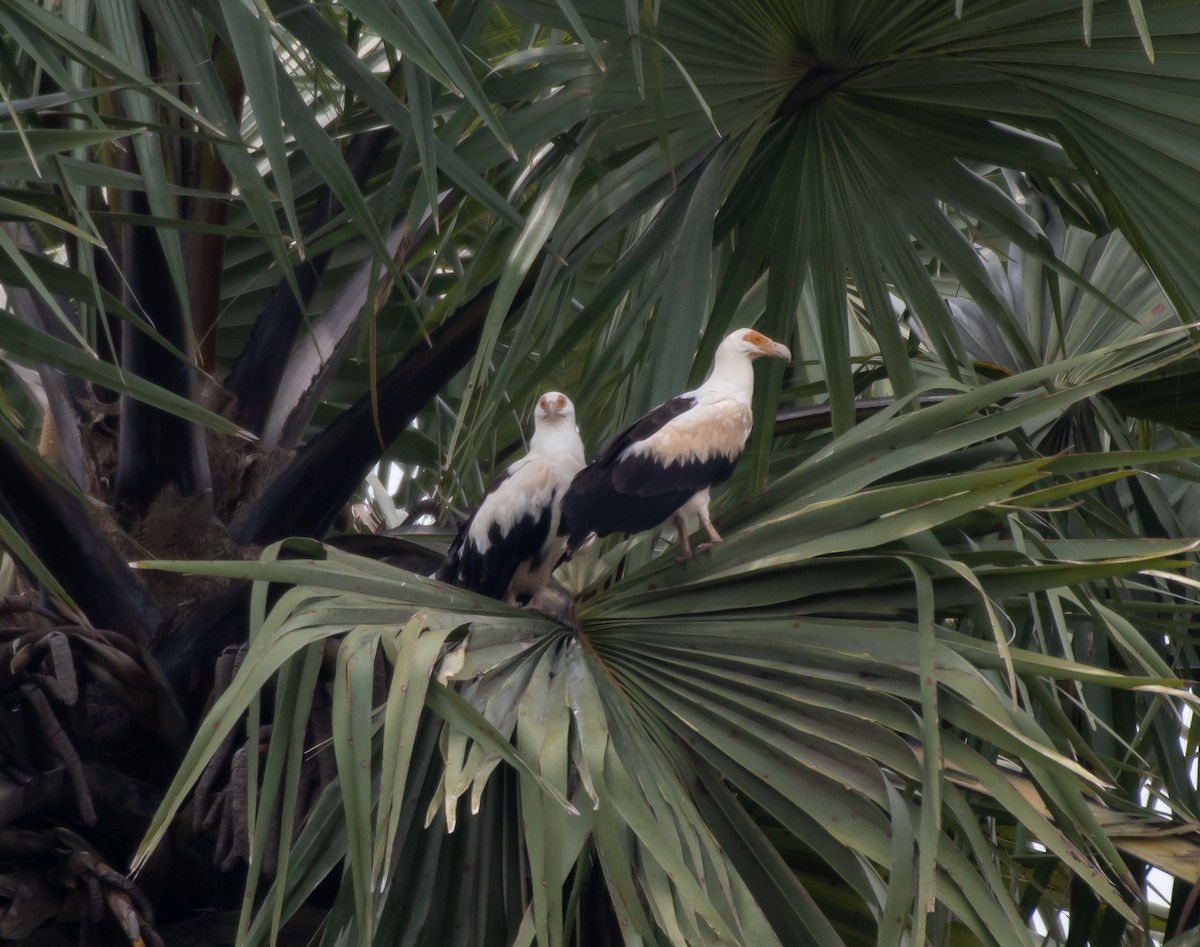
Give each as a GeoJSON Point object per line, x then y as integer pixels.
{"type": "Point", "coordinates": [663, 465]}
{"type": "Point", "coordinates": [511, 543]}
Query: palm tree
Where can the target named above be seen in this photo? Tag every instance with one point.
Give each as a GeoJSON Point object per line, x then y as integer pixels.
{"type": "Point", "coordinates": [930, 689]}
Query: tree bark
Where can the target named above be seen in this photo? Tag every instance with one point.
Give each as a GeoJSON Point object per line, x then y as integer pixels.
{"type": "Point", "coordinates": [65, 537]}
{"type": "Point", "coordinates": [255, 376]}
{"type": "Point", "coordinates": [305, 497]}
{"type": "Point", "coordinates": [156, 448]}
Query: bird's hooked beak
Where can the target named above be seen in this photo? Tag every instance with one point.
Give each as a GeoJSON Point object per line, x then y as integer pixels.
{"type": "Point", "coordinates": [779, 350]}
{"type": "Point", "coordinates": [552, 404]}
{"type": "Point", "coordinates": [769, 347]}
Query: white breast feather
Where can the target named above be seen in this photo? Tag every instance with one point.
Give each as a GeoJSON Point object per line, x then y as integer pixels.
{"type": "Point", "coordinates": [530, 487]}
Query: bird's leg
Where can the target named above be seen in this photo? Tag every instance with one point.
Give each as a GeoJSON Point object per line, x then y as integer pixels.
{"type": "Point", "coordinates": [713, 536]}
{"type": "Point", "coordinates": [535, 600]}
{"type": "Point", "coordinates": [686, 547]}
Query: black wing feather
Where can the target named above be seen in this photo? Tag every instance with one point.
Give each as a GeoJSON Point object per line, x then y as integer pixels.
{"type": "Point", "coordinates": [627, 495]}
{"type": "Point", "coordinates": [490, 573]}
{"type": "Point", "coordinates": [450, 566]}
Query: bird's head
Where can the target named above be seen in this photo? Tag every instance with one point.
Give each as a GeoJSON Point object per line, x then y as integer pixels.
{"type": "Point", "coordinates": [554, 406]}
{"type": "Point", "coordinates": [753, 343]}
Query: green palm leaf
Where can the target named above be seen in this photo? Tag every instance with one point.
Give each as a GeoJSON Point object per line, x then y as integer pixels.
{"type": "Point", "coordinates": [929, 689]}
{"type": "Point", "coordinates": [831, 723]}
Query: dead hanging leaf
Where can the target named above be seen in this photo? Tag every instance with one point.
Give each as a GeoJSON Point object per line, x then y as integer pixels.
{"type": "Point", "coordinates": [64, 667]}
{"type": "Point", "coordinates": [107, 886]}
{"type": "Point", "coordinates": [1167, 844]}
{"type": "Point", "coordinates": [126, 914]}
{"type": "Point", "coordinates": [32, 901]}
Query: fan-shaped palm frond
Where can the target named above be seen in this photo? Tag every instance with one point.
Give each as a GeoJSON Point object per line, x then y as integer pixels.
{"type": "Point", "coordinates": [833, 688]}
{"type": "Point", "coordinates": [251, 251]}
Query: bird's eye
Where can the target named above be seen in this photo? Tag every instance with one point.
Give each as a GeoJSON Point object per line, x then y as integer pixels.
{"type": "Point", "coordinates": [755, 338]}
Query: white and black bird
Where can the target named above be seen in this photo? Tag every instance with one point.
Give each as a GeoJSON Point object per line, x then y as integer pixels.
{"type": "Point", "coordinates": [511, 543]}
{"type": "Point", "coordinates": [663, 465]}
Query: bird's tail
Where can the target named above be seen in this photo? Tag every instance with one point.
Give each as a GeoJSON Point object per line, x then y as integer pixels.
{"type": "Point", "coordinates": [448, 570]}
